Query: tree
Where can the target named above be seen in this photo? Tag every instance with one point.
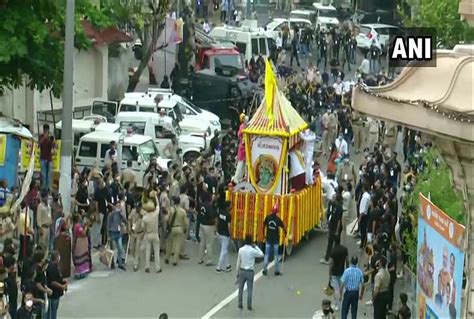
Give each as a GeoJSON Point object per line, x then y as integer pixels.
{"type": "Point", "coordinates": [32, 41]}
{"type": "Point", "coordinates": [146, 19]}
{"type": "Point", "coordinates": [442, 15]}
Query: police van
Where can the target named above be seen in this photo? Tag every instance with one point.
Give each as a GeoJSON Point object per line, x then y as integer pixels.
{"type": "Point", "coordinates": [138, 149]}
{"type": "Point", "coordinates": [326, 17]}
{"type": "Point", "coordinates": [161, 129]}
{"type": "Point", "coordinates": [250, 41]}
{"type": "Point", "coordinates": [83, 126]}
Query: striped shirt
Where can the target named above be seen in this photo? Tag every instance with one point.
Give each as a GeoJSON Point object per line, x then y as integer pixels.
{"type": "Point", "coordinates": [352, 278]}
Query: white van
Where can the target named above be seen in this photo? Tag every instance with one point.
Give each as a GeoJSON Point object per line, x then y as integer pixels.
{"type": "Point", "coordinates": [190, 125]}
{"type": "Point", "coordinates": [84, 126]}
{"type": "Point", "coordinates": [134, 147]}
{"type": "Point", "coordinates": [326, 17]}
{"type": "Point", "coordinates": [161, 129]}
{"type": "Point", "coordinates": [250, 42]}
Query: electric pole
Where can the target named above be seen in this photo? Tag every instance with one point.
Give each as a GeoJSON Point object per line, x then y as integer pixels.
{"type": "Point", "coordinates": [68, 91]}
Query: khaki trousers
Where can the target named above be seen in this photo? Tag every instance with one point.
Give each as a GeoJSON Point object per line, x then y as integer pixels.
{"type": "Point", "coordinates": [358, 137]}
{"type": "Point", "coordinates": [174, 243]}
{"type": "Point", "coordinates": [371, 140]}
{"type": "Point", "coordinates": [43, 239]}
{"type": "Point", "coordinates": [136, 245]}
{"type": "Point", "coordinates": [206, 234]}
{"type": "Point", "coordinates": [152, 239]}
{"type": "Point", "coordinates": [325, 142]}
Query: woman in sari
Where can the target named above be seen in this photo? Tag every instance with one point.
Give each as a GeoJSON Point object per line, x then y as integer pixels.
{"type": "Point", "coordinates": [62, 243]}
{"type": "Point", "coordinates": [333, 161]}
{"type": "Point", "coordinates": [81, 254]}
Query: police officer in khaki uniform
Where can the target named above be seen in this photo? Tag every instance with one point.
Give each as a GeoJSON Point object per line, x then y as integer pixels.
{"type": "Point", "coordinates": [43, 221]}
{"type": "Point", "coordinates": [346, 173]}
{"type": "Point", "coordinates": [390, 136]}
{"type": "Point", "coordinates": [136, 231]}
{"type": "Point", "coordinates": [358, 127]}
{"type": "Point", "coordinates": [333, 127]}
{"type": "Point", "coordinates": [150, 219]}
{"type": "Point", "coordinates": [325, 136]}
{"type": "Point", "coordinates": [177, 227]}
{"type": "Point", "coordinates": [373, 137]}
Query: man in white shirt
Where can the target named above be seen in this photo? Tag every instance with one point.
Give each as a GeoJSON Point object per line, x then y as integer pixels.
{"type": "Point", "coordinates": [111, 153]}
{"type": "Point", "coordinates": [206, 27]}
{"type": "Point", "coordinates": [364, 216]}
{"type": "Point", "coordinates": [279, 41]}
{"type": "Point", "coordinates": [309, 138]}
{"type": "Point", "coordinates": [245, 269]}
{"type": "Point", "coordinates": [341, 145]}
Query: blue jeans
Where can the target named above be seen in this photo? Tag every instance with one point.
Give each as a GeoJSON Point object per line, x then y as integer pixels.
{"type": "Point", "coordinates": [350, 300]}
{"type": "Point", "coordinates": [268, 249]}
{"type": "Point", "coordinates": [223, 256]}
{"type": "Point", "coordinates": [52, 312]}
{"type": "Point", "coordinates": [116, 238]}
{"type": "Point", "coordinates": [45, 174]}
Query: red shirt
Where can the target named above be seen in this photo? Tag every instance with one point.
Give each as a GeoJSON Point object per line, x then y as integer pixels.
{"type": "Point", "coordinates": [46, 147]}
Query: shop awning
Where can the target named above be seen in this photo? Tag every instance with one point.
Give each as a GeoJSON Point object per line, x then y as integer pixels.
{"type": "Point", "coordinates": [437, 100]}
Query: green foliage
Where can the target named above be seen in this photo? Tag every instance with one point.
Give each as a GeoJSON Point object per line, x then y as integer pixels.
{"type": "Point", "coordinates": [32, 41]}
{"type": "Point", "coordinates": [442, 15]}
{"type": "Point", "coordinates": [434, 181]}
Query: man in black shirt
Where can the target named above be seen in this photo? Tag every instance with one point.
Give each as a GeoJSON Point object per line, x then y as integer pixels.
{"type": "Point", "coordinates": [42, 289]}
{"type": "Point", "coordinates": [338, 262]}
{"type": "Point", "coordinates": [223, 233]}
{"type": "Point", "coordinates": [334, 225]}
{"type": "Point", "coordinates": [207, 221]}
{"type": "Point", "coordinates": [272, 223]}
{"type": "Point", "coordinates": [102, 198]}
{"type": "Point", "coordinates": [11, 286]}
{"type": "Point", "coordinates": [56, 283]}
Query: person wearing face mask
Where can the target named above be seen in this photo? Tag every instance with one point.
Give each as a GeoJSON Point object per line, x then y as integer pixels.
{"type": "Point", "coordinates": [56, 283]}
{"type": "Point", "coordinates": [346, 173]}
{"type": "Point", "coordinates": [373, 136]}
{"type": "Point", "coordinates": [326, 312]}
{"type": "Point", "coordinates": [28, 309]}
{"type": "Point", "coordinates": [341, 145]}
{"type": "Point", "coordinates": [333, 128]}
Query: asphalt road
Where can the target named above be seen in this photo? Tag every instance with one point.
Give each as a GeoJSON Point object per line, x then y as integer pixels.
{"type": "Point", "coordinates": [191, 290]}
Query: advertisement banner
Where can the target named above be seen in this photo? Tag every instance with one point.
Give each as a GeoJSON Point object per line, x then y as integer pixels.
{"type": "Point", "coordinates": [266, 154]}
{"type": "Point", "coordinates": [440, 263]}
{"type": "Point", "coordinates": [3, 148]}
{"type": "Point", "coordinates": [26, 148]}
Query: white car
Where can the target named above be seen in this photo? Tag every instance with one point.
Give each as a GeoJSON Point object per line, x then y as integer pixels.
{"type": "Point", "coordinates": [310, 15]}
{"type": "Point", "coordinates": [275, 27]}
{"type": "Point", "coordinates": [326, 17]}
{"type": "Point", "coordinates": [379, 32]}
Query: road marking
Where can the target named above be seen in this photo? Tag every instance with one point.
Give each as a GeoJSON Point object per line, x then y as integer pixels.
{"type": "Point", "coordinates": [233, 295]}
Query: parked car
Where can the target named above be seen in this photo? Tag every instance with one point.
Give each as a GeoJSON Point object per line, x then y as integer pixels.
{"type": "Point", "coordinates": [276, 26]}
{"type": "Point", "coordinates": [380, 32]}
{"type": "Point", "coordinates": [326, 17]}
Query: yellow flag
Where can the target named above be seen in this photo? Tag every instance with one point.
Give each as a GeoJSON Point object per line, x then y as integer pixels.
{"type": "Point", "coordinates": [270, 86]}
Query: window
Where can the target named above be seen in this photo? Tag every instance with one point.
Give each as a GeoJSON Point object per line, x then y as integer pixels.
{"type": "Point", "coordinates": [263, 46]}
{"type": "Point", "coordinates": [128, 108]}
{"type": "Point", "coordinates": [364, 30]}
{"type": "Point", "coordinates": [88, 149]}
{"type": "Point", "coordinates": [185, 110]}
{"type": "Point", "coordinates": [137, 127]}
{"type": "Point", "coordinates": [254, 47]}
{"type": "Point", "coordinates": [129, 153]}
{"type": "Point", "coordinates": [103, 149]}
{"type": "Point", "coordinates": [242, 47]}
{"type": "Point", "coordinates": [148, 150]}
{"type": "Point", "coordinates": [146, 109]}
{"type": "Point", "coordinates": [161, 132]}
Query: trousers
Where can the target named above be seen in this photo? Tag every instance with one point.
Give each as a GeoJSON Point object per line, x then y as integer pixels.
{"type": "Point", "coordinates": [136, 244]}
{"type": "Point", "coordinates": [43, 239]}
{"type": "Point", "coordinates": [359, 140]}
{"type": "Point", "coordinates": [224, 255]}
{"type": "Point", "coordinates": [206, 234]}
{"type": "Point", "coordinates": [45, 174]}
{"type": "Point", "coordinates": [152, 239]}
{"type": "Point", "coordinates": [239, 172]}
{"type": "Point", "coordinates": [380, 305]}
{"type": "Point", "coordinates": [372, 139]}
{"type": "Point", "coordinates": [350, 301]}
{"type": "Point", "coordinates": [245, 276]}
{"type": "Point", "coordinates": [174, 243]}
{"type": "Point", "coordinates": [271, 249]}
